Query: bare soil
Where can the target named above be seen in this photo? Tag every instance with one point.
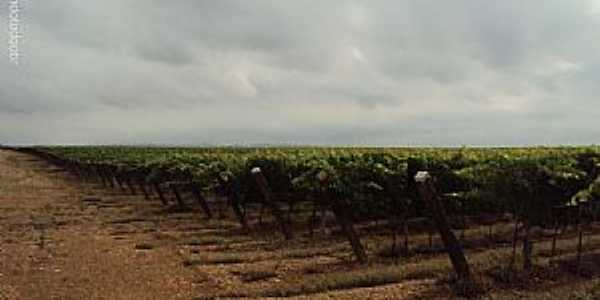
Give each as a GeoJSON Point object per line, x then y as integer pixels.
{"type": "Point", "coordinates": [64, 238]}
{"type": "Point", "coordinates": [61, 238]}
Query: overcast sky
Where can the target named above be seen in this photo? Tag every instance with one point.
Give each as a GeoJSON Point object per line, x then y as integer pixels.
{"type": "Point", "coordinates": [422, 72]}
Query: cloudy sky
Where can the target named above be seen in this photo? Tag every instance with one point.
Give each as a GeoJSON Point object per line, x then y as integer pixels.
{"type": "Point", "coordinates": [421, 72]}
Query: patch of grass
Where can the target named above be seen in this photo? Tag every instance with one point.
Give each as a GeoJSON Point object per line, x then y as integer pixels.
{"type": "Point", "coordinates": [225, 259]}
{"type": "Point", "coordinates": [574, 291]}
{"type": "Point", "coordinates": [564, 247]}
{"type": "Point", "coordinates": [592, 293]}
{"type": "Point", "coordinates": [360, 278]}
{"type": "Point", "coordinates": [220, 259]}
{"type": "Point", "coordinates": [255, 275]}
{"type": "Point", "coordinates": [339, 281]}
{"type": "Point", "coordinates": [307, 253]}
{"type": "Point", "coordinates": [490, 264]}
{"type": "Point", "coordinates": [205, 241]}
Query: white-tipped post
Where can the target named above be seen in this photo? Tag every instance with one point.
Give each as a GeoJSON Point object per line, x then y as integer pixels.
{"type": "Point", "coordinates": [422, 176]}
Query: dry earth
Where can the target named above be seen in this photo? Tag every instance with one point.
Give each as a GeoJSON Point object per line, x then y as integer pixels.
{"type": "Point", "coordinates": [64, 238]}
{"type": "Point", "coordinates": [61, 238]}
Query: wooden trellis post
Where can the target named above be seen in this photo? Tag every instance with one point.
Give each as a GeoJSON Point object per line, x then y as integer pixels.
{"type": "Point", "coordinates": [233, 199]}
{"type": "Point", "coordinates": [201, 200]}
{"type": "Point", "coordinates": [178, 197]}
{"type": "Point", "coordinates": [130, 185]}
{"type": "Point", "coordinates": [429, 194]}
{"type": "Point", "coordinates": [143, 189]}
{"type": "Point", "coordinates": [161, 196]}
{"type": "Point", "coordinates": [344, 220]}
{"type": "Point", "coordinates": [268, 201]}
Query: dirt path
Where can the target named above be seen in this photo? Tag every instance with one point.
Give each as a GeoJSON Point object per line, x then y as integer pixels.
{"type": "Point", "coordinates": [60, 239]}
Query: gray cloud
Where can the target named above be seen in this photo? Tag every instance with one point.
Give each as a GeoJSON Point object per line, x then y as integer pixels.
{"type": "Point", "coordinates": [317, 72]}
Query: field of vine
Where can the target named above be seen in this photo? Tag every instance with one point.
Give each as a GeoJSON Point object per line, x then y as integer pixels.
{"type": "Point", "coordinates": [374, 183]}
{"type": "Point", "coordinates": [294, 190]}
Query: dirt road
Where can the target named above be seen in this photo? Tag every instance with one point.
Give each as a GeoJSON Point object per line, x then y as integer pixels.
{"type": "Point", "coordinates": [61, 239]}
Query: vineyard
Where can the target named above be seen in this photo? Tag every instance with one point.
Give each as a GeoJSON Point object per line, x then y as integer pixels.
{"type": "Point", "coordinates": [539, 193]}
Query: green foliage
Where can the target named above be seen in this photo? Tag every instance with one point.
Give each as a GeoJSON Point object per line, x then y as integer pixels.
{"type": "Point", "coordinates": [375, 182]}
